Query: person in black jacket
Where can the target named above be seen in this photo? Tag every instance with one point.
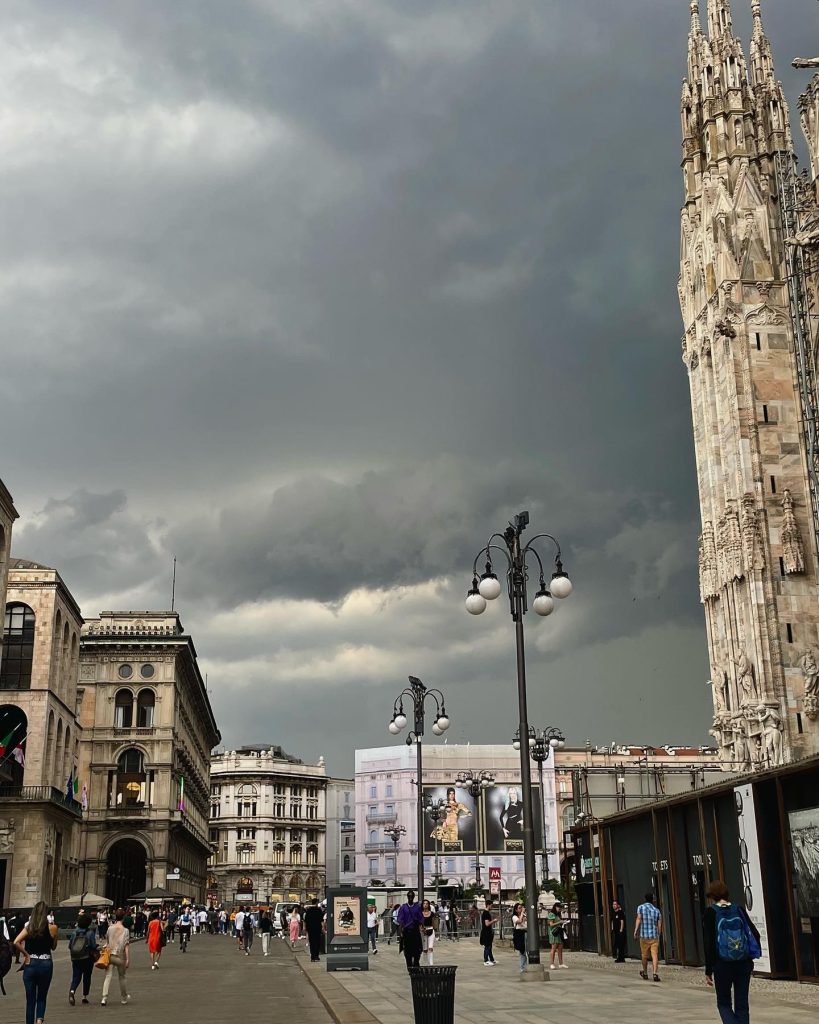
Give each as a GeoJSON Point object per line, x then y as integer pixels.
{"type": "Point", "coordinates": [727, 976]}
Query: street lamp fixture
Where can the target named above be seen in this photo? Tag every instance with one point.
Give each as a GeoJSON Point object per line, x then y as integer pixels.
{"type": "Point", "coordinates": [518, 559]}
{"type": "Point", "coordinates": [475, 783]}
{"type": "Point", "coordinates": [395, 832]}
{"type": "Point", "coordinates": [436, 809]}
{"type": "Point", "coordinates": [541, 744]}
{"type": "Point", "coordinates": [418, 694]}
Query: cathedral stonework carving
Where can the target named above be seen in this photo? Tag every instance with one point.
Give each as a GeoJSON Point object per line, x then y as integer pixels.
{"type": "Point", "coordinates": [757, 580]}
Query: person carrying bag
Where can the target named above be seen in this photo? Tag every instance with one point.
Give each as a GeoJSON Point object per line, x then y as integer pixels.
{"type": "Point", "coordinates": [732, 943]}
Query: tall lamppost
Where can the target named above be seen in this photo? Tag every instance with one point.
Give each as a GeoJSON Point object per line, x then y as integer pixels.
{"type": "Point", "coordinates": [395, 832]}
{"type": "Point", "coordinates": [436, 809]}
{"type": "Point", "coordinates": [541, 743]}
{"type": "Point", "coordinates": [419, 694]}
{"type": "Point", "coordinates": [488, 588]}
{"type": "Point", "coordinates": [475, 783]}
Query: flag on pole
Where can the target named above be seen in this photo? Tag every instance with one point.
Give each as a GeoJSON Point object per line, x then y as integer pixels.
{"type": "Point", "coordinates": [76, 783]}
{"type": "Point", "coordinates": [19, 755]}
{"type": "Point", "coordinates": [69, 786]}
{"type": "Point", "coordinates": [85, 796]}
{"type": "Point", "coordinates": [181, 793]}
{"type": "Point", "coordinates": [6, 743]}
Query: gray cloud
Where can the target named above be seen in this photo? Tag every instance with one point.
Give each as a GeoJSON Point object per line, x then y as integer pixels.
{"type": "Point", "coordinates": [315, 295]}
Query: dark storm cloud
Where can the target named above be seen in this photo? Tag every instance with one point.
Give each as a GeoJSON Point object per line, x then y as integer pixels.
{"type": "Point", "coordinates": [314, 294]}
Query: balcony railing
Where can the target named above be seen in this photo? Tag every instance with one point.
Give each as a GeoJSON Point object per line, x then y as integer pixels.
{"type": "Point", "coordinates": [39, 794]}
{"type": "Point", "coordinates": [379, 847]}
{"type": "Point", "coordinates": [382, 818]}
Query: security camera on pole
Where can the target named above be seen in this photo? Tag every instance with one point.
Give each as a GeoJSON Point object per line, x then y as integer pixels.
{"type": "Point", "coordinates": [488, 587]}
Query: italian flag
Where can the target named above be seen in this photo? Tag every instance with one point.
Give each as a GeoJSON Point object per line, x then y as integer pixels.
{"type": "Point", "coordinates": [4, 745]}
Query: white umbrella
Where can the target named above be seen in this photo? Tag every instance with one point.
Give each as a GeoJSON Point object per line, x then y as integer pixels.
{"type": "Point", "coordinates": [87, 899]}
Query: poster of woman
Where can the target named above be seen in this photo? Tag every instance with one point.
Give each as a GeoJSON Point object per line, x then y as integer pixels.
{"type": "Point", "coordinates": [505, 818]}
{"type": "Point", "coordinates": [456, 832]}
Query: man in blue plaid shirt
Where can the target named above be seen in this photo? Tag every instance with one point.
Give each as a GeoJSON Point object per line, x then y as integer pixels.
{"type": "Point", "coordinates": [649, 927]}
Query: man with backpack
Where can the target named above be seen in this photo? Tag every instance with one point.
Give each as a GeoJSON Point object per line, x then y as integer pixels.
{"type": "Point", "coordinates": [648, 928]}
{"type": "Point", "coordinates": [185, 922]}
{"type": "Point", "coordinates": [83, 950]}
{"type": "Point", "coordinates": [731, 945]}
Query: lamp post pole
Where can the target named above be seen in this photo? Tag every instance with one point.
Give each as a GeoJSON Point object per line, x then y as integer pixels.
{"type": "Point", "coordinates": [475, 784]}
{"type": "Point", "coordinates": [436, 809]}
{"type": "Point", "coordinates": [418, 694]}
{"type": "Point", "coordinates": [395, 832]}
{"type": "Point", "coordinates": [542, 743]}
{"type": "Point", "coordinates": [487, 589]}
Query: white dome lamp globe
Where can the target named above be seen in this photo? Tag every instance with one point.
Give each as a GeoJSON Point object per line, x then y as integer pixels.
{"type": "Point", "coordinates": [400, 720]}
{"type": "Point", "coordinates": [554, 743]}
{"type": "Point", "coordinates": [489, 586]}
{"type": "Point", "coordinates": [436, 729]}
{"type": "Point", "coordinates": [475, 602]}
{"type": "Point", "coordinates": [561, 585]}
{"type": "Point", "coordinates": [516, 743]}
{"type": "Point", "coordinates": [393, 727]}
{"type": "Point", "coordinates": [442, 721]}
{"type": "Point", "coordinates": [543, 603]}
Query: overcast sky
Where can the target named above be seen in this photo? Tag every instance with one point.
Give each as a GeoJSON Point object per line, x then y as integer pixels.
{"type": "Point", "coordinates": [315, 295]}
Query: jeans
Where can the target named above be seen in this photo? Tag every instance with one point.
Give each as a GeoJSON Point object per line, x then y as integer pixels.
{"type": "Point", "coordinates": [488, 958]}
{"type": "Point", "coordinates": [372, 933]}
{"type": "Point", "coordinates": [412, 947]}
{"type": "Point", "coordinates": [36, 979]}
{"type": "Point", "coordinates": [618, 943]}
{"type": "Point", "coordinates": [117, 963]}
{"type": "Point", "coordinates": [247, 939]}
{"type": "Point", "coordinates": [736, 976]}
{"type": "Point", "coordinates": [81, 971]}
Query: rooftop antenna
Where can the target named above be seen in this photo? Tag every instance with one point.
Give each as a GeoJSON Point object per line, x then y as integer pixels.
{"type": "Point", "coordinates": [173, 585]}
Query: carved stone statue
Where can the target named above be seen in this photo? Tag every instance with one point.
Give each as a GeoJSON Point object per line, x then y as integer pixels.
{"type": "Point", "coordinates": [742, 748]}
{"type": "Point", "coordinates": [739, 135]}
{"type": "Point", "coordinates": [793, 552]}
{"type": "Point", "coordinates": [771, 722]}
{"type": "Point", "coordinates": [810, 670]}
{"type": "Point", "coordinates": [745, 678]}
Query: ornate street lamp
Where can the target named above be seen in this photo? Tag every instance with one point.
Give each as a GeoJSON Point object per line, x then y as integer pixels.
{"type": "Point", "coordinates": [395, 832]}
{"type": "Point", "coordinates": [475, 783]}
{"type": "Point", "coordinates": [541, 744]}
{"type": "Point", "coordinates": [488, 588]}
{"type": "Point", "coordinates": [436, 809]}
{"type": "Point", "coordinates": [418, 694]}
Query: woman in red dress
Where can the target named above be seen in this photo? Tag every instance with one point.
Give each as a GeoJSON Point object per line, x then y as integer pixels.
{"type": "Point", "coordinates": [155, 939]}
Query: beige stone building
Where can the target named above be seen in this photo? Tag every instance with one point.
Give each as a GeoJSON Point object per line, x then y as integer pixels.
{"type": "Point", "coordinates": [145, 756]}
{"type": "Point", "coordinates": [40, 819]}
{"type": "Point", "coordinates": [757, 549]}
{"type": "Point", "coordinates": [267, 826]}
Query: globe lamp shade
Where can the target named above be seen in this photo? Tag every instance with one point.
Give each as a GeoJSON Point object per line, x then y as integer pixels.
{"type": "Point", "coordinates": [489, 586]}
{"type": "Point", "coordinates": [543, 603]}
{"type": "Point", "coordinates": [516, 744]}
{"type": "Point", "coordinates": [393, 728]}
{"type": "Point", "coordinates": [400, 721]}
{"type": "Point", "coordinates": [436, 729]}
{"type": "Point", "coordinates": [475, 603]}
{"type": "Point", "coordinates": [561, 586]}
{"type": "Point", "coordinates": [443, 723]}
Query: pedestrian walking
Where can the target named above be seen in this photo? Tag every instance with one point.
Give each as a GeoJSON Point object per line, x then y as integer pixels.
{"type": "Point", "coordinates": [393, 911]}
{"type": "Point", "coordinates": [83, 950]}
{"type": "Point", "coordinates": [445, 916]}
{"type": "Point", "coordinates": [102, 923]}
{"type": "Point", "coordinates": [519, 934]}
{"type": "Point", "coordinates": [487, 935]}
{"type": "Point", "coordinates": [265, 928]}
{"type": "Point", "coordinates": [155, 939]}
{"type": "Point", "coordinates": [731, 943]}
{"type": "Point", "coordinates": [648, 927]}
{"type": "Point", "coordinates": [247, 933]}
{"type": "Point", "coordinates": [294, 926]}
{"type": "Point", "coordinates": [314, 927]}
{"type": "Point", "coordinates": [170, 925]}
{"type": "Point", "coordinates": [239, 924]}
{"type": "Point", "coordinates": [618, 933]}
{"type": "Point", "coordinates": [36, 942]}
{"type": "Point", "coordinates": [372, 927]}
{"type": "Point", "coordinates": [118, 941]}
{"type": "Point", "coordinates": [557, 936]}
{"type": "Point", "coordinates": [429, 927]}
{"type": "Point", "coordinates": [472, 917]}
{"type": "Point", "coordinates": [409, 921]}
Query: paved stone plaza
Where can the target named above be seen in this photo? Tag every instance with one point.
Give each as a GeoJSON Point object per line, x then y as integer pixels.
{"type": "Point", "coordinates": [592, 991]}
{"type": "Point", "coordinates": [211, 982]}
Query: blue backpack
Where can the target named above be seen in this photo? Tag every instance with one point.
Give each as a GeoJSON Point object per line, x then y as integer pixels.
{"type": "Point", "coordinates": [732, 934]}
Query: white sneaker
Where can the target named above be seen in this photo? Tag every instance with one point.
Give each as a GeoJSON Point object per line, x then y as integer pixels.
{"type": "Point", "coordinates": [104, 1002]}
{"type": "Point", "coordinates": [552, 967]}
{"type": "Point", "coordinates": [564, 967]}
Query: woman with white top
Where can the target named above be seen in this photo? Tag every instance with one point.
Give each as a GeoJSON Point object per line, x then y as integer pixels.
{"type": "Point", "coordinates": [428, 929]}
{"type": "Point", "coordinates": [519, 933]}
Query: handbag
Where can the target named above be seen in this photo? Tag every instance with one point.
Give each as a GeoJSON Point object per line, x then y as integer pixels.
{"type": "Point", "coordinates": [104, 958]}
{"type": "Point", "coordinates": [754, 948]}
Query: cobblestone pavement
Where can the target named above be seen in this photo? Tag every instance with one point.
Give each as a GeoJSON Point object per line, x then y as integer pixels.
{"type": "Point", "coordinates": [583, 994]}
{"type": "Point", "coordinates": [211, 982]}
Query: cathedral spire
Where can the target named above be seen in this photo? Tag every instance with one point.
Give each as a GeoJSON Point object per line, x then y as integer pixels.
{"type": "Point", "coordinates": [719, 18]}
{"type": "Point", "coordinates": [696, 27]}
{"type": "Point", "coordinates": [762, 69]}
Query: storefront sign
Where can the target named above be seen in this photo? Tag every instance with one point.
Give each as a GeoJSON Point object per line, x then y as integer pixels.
{"type": "Point", "coordinates": [245, 885]}
{"type": "Point", "coordinates": [753, 893]}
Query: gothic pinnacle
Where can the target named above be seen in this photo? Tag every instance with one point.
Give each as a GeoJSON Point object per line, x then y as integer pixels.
{"type": "Point", "coordinates": [695, 17]}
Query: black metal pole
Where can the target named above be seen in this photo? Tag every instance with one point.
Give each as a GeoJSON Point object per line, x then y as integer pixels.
{"type": "Point", "coordinates": [544, 864]}
{"type": "Point", "coordinates": [530, 870]}
{"type": "Point", "coordinates": [419, 765]}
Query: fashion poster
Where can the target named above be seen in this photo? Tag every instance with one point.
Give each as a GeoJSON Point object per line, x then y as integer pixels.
{"type": "Point", "coordinates": [346, 916]}
{"type": "Point", "coordinates": [505, 819]}
{"type": "Point", "coordinates": [456, 831]}
{"type": "Point", "coordinates": [805, 843]}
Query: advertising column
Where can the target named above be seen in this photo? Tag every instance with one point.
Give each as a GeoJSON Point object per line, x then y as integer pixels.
{"type": "Point", "coordinates": [753, 892]}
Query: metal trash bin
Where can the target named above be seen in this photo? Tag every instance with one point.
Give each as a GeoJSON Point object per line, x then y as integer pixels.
{"type": "Point", "coordinates": [433, 994]}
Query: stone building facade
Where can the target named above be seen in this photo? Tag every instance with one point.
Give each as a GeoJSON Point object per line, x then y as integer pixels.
{"type": "Point", "coordinates": [340, 832]}
{"type": "Point", "coordinates": [268, 818]}
{"type": "Point", "coordinates": [40, 817]}
{"type": "Point", "coordinates": [757, 551]}
{"type": "Point", "coordinates": [8, 514]}
{"type": "Point", "coordinates": [148, 730]}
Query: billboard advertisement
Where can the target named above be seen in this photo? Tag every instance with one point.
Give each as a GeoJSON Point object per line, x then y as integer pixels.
{"type": "Point", "coordinates": [805, 842]}
{"type": "Point", "coordinates": [493, 824]}
{"type": "Point", "coordinates": [503, 819]}
{"type": "Point", "coordinates": [458, 831]}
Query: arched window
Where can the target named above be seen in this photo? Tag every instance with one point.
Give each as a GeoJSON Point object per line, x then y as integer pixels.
{"type": "Point", "coordinates": [373, 836]}
{"type": "Point", "coordinates": [131, 779]}
{"type": "Point", "coordinates": [18, 647]}
{"type": "Point", "coordinates": [312, 855]}
{"type": "Point", "coordinates": [145, 709]}
{"type": "Point", "coordinates": [295, 881]}
{"type": "Point", "coordinates": [123, 709]}
{"type": "Point", "coordinates": [13, 731]}
{"type": "Point", "coordinates": [278, 857]}
{"type": "Point", "coordinates": [346, 862]}
{"type": "Point", "coordinates": [278, 880]}
{"type": "Point", "coordinates": [295, 855]}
